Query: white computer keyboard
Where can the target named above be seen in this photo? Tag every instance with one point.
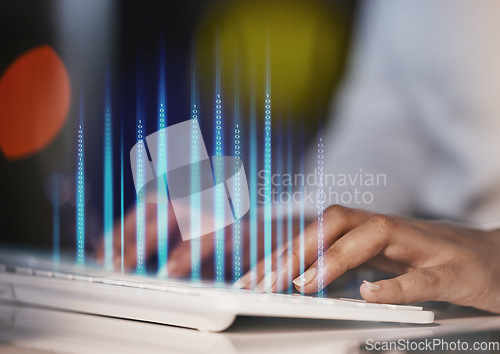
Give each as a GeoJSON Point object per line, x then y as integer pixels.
{"type": "Point", "coordinates": [184, 304]}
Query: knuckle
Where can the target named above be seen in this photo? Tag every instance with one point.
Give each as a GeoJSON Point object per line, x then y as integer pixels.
{"type": "Point", "coordinates": [383, 222]}
{"type": "Point", "coordinates": [431, 279]}
{"type": "Point", "coordinates": [338, 256]}
{"type": "Point", "coordinates": [336, 210]}
{"type": "Point", "coordinates": [295, 254]}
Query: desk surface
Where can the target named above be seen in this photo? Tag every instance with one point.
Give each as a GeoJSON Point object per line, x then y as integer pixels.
{"type": "Point", "coordinates": [37, 330]}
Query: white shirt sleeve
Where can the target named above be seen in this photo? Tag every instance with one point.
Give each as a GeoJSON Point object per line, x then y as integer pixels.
{"type": "Point", "coordinates": [373, 133]}
{"type": "Point", "coordinates": [420, 106]}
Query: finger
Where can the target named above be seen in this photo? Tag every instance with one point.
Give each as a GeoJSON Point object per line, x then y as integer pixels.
{"type": "Point", "coordinates": [180, 259]}
{"type": "Point", "coordinates": [130, 251]}
{"type": "Point", "coordinates": [256, 277]}
{"type": "Point", "coordinates": [127, 220]}
{"type": "Point", "coordinates": [355, 248]}
{"type": "Point", "coordinates": [396, 239]}
{"type": "Point", "coordinates": [129, 230]}
{"type": "Point", "coordinates": [387, 265]}
{"type": "Point", "coordinates": [280, 244]}
{"type": "Point", "coordinates": [423, 284]}
{"type": "Point", "coordinates": [153, 224]}
{"type": "Point", "coordinates": [337, 220]}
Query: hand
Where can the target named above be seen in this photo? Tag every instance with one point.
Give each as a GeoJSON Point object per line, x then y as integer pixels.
{"type": "Point", "coordinates": [179, 255]}
{"type": "Point", "coordinates": [151, 227]}
{"type": "Point", "coordinates": [434, 260]}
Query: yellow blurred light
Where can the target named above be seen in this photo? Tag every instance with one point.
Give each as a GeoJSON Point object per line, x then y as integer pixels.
{"type": "Point", "coordinates": [298, 44]}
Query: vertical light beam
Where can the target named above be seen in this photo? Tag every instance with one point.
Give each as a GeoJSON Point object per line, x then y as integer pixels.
{"type": "Point", "coordinates": [237, 152]}
{"type": "Point", "coordinates": [108, 179]}
{"type": "Point", "coordinates": [290, 215]}
{"type": "Point", "coordinates": [80, 189]}
{"type": "Point", "coordinates": [195, 199]}
{"type": "Point", "coordinates": [219, 175]}
{"type": "Point", "coordinates": [195, 175]}
{"type": "Point", "coordinates": [320, 204]}
{"type": "Point", "coordinates": [253, 190]}
{"type": "Point", "coordinates": [303, 191]}
{"type": "Point", "coordinates": [142, 159]}
{"type": "Point", "coordinates": [162, 208]}
{"type": "Point", "coordinates": [268, 241]}
{"type": "Point", "coordinates": [237, 223]}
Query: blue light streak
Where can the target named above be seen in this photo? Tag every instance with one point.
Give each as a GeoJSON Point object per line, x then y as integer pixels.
{"type": "Point", "coordinates": [108, 180]}
{"type": "Point", "coordinates": [80, 190]}
{"type": "Point", "coordinates": [267, 189]}
{"type": "Point", "coordinates": [301, 215]}
{"type": "Point", "coordinates": [321, 207]}
{"type": "Point", "coordinates": [253, 192]}
{"type": "Point", "coordinates": [141, 159]}
{"type": "Point", "coordinates": [195, 199]}
{"type": "Point", "coordinates": [140, 214]}
{"type": "Point", "coordinates": [237, 223]}
{"type": "Point", "coordinates": [220, 195]}
{"type": "Point", "coordinates": [268, 240]}
{"type": "Point", "coordinates": [237, 262]}
{"type": "Point", "coordinates": [219, 176]}
{"type": "Point", "coordinates": [195, 176]}
{"type": "Point", "coordinates": [162, 208]}
{"type": "Point", "coordinates": [289, 209]}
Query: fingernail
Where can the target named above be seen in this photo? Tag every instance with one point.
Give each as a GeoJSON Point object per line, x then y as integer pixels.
{"type": "Point", "coordinates": [306, 277]}
{"type": "Point", "coordinates": [267, 283]}
{"type": "Point", "coordinates": [371, 286]}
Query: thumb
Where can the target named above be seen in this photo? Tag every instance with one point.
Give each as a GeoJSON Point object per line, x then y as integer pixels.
{"type": "Point", "coordinates": [420, 285]}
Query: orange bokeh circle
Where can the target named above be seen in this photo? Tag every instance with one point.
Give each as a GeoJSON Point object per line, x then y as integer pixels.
{"type": "Point", "coordinates": [35, 96]}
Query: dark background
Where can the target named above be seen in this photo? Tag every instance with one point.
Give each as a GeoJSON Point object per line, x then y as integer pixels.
{"type": "Point", "coordinates": [123, 39]}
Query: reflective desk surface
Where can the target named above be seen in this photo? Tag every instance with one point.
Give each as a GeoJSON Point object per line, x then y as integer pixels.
{"type": "Point", "coordinates": [37, 330]}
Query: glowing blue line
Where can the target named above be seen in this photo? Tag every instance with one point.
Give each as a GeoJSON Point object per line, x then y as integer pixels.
{"type": "Point", "coordinates": [301, 218]}
{"type": "Point", "coordinates": [141, 159]}
{"type": "Point", "coordinates": [237, 223]}
{"type": "Point", "coordinates": [290, 210]}
{"type": "Point", "coordinates": [253, 191]}
{"type": "Point", "coordinates": [108, 181]}
{"type": "Point", "coordinates": [195, 199]}
{"type": "Point", "coordinates": [268, 241]}
{"type": "Point", "coordinates": [237, 153]}
{"type": "Point", "coordinates": [220, 193]}
{"type": "Point", "coordinates": [195, 176]}
{"type": "Point", "coordinates": [80, 190]}
{"type": "Point", "coordinates": [162, 208]}
{"type": "Point", "coordinates": [140, 214]}
{"type": "Point", "coordinates": [219, 176]}
{"type": "Point", "coordinates": [56, 226]}
{"type": "Point", "coordinates": [320, 206]}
